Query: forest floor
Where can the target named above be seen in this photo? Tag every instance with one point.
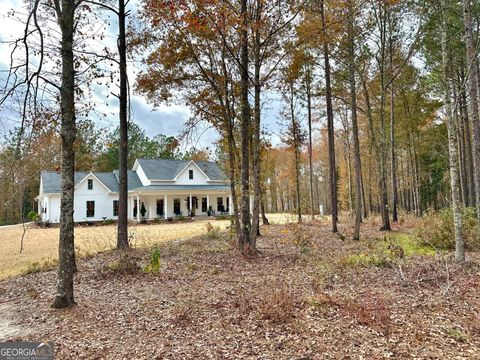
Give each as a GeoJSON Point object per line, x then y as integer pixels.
{"type": "Point", "coordinates": [309, 294]}
{"type": "Point", "coordinates": [40, 245]}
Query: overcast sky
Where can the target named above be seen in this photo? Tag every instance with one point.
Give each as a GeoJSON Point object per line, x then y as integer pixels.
{"type": "Point", "coordinates": [166, 119]}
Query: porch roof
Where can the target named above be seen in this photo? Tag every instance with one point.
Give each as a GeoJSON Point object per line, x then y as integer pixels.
{"type": "Point", "coordinates": [173, 188]}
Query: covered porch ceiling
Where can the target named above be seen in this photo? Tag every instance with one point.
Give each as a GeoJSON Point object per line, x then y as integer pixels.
{"type": "Point", "coordinates": [162, 189]}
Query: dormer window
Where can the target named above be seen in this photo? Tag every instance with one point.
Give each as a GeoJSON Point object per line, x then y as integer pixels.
{"type": "Point", "coordinates": [190, 174]}
{"type": "Point", "coordinates": [90, 184]}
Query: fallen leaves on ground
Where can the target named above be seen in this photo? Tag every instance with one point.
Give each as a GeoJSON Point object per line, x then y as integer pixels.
{"type": "Point", "coordinates": [298, 299]}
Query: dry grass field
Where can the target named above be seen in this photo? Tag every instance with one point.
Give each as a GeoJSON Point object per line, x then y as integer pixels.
{"type": "Point", "coordinates": [40, 248]}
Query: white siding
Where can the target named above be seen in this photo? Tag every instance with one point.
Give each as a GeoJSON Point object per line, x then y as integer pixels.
{"type": "Point", "coordinates": [100, 194]}
{"type": "Point", "coordinates": [103, 198]}
{"type": "Point", "coordinates": [43, 203]}
{"type": "Point", "coordinates": [198, 176]}
{"type": "Point", "coordinates": [103, 207]}
{"type": "Point", "coordinates": [53, 208]}
{"type": "Point", "coordinates": [143, 178]}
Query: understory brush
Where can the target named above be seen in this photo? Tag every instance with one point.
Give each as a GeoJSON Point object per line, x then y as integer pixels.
{"type": "Point", "coordinates": [125, 264]}
{"type": "Point", "coordinates": [436, 230]}
{"type": "Point", "coordinates": [153, 265]}
{"type": "Point", "coordinates": [386, 251]}
{"type": "Point", "coordinates": [213, 232]}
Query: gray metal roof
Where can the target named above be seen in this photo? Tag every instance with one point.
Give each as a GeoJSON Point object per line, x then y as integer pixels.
{"type": "Point", "coordinates": [108, 179]}
{"type": "Point", "coordinates": [212, 170]}
{"type": "Point", "coordinates": [133, 179]}
{"type": "Point", "coordinates": [154, 169]}
{"type": "Point", "coordinates": [183, 188]}
{"type": "Point", "coordinates": [52, 181]}
{"type": "Point", "coordinates": [165, 169]}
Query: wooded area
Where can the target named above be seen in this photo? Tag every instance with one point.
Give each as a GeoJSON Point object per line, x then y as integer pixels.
{"type": "Point", "coordinates": [350, 127]}
{"type": "Point", "coordinates": [378, 107]}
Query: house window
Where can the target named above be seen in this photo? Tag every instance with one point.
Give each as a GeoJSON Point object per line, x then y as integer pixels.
{"type": "Point", "coordinates": [90, 209]}
{"type": "Point", "coordinates": [204, 204]}
{"type": "Point", "coordinates": [220, 204]}
{"type": "Point", "coordinates": [176, 207]}
{"type": "Point", "coordinates": [190, 174]}
{"type": "Point", "coordinates": [228, 205]}
{"type": "Point", "coordinates": [115, 207]}
{"type": "Point", "coordinates": [160, 207]}
{"type": "Point", "coordinates": [90, 184]}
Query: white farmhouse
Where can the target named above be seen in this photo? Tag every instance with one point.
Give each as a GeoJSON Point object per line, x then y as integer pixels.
{"type": "Point", "coordinates": [163, 188]}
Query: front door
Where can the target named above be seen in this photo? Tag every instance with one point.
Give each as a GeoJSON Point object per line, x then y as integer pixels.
{"type": "Point", "coordinates": [160, 207]}
{"type": "Point", "coordinates": [135, 208]}
{"type": "Point", "coordinates": [176, 206]}
{"type": "Point", "coordinates": [220, 207]}
{"type": "Point", "coordinates": [194, 205]}
{"type": "Point", "coordinates": [192, 211]}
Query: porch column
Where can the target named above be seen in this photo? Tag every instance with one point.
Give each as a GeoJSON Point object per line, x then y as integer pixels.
{"type": "Point", "coordinates": [165, 206]}
{"type": "Point", "coordinates": [138, 207]}
{"type": "Point", "coordinates": [131, 207]}
{"type": "Point", "coordinates": [230, 204]}
{"type": "Point", "coordinates": [208, 202]}
{"type": "Point", "coordinates": [190, 200]}
{"type": "Point", "coordinates": [49, 210]}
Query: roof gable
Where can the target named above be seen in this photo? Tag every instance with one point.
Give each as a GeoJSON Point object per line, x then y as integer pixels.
{"type": "Point", "coordinates": [191, 162]}
{"type": "Point", "coordinates": [52, 181]}
{"type": "Point", "coordinates": [106, 177]}
{"type": "Point", "coordinates": [154, 169]}
{"type": "Point", "coordinates": [168, 170]}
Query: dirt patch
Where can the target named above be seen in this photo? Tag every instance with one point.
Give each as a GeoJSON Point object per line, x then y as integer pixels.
{"type": "Point", "coordinates": [7, 325]}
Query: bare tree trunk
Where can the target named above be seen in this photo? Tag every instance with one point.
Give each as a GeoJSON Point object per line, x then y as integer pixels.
{"type": "Point", "coordinates": [416, 168]}
{"type": "Point", "coordinates": [229, 124]}
{"type": "Point", "coordinates": [473, 79]}
{"type": "Point", "coordinates": [412, 151]}
{"type": "Point", "coordinates": [383, 136]}
{"type": "Point", "coordinates": [468, 148]}
{"type": "Point", "coordinates": [349, 171]}
{"type": "Point", "coordinates": [364, 202]}
{"type": "Point", "coordinates": [460, 148]}
{"type": "Point", "coordinates": [244, 236]}
{"type": "Point", "coordinates": [356, 141]}
{"type": "Point", "coordinates": [296, 149]}
{"type": "Point", "coordinates": [122, 230]}
{"type": "Point", "coordinates": [331, 131]}
{"type": "Point", "coordinates": [452, 142]}
{"type": "Point", "coordinates": [66, 250]}
{"type": "Point", "coordinates": [392, 141]}
{"type": "Point", "coordinates": [256, 130]}
{"type": "Point", "coordinates": [310, 167]}
{"type": "Point", "coordinates": [380, 161]}
{"type": "Point", "coordinates": [262, 207]}
{"type": "Point", "coordinates": [231, 160]}
{"type": "Point", "coordinates": [370, 198]}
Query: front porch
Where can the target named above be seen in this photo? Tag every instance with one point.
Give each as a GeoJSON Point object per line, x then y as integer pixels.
{"type": "Point", "coordinates": [167, 205]}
